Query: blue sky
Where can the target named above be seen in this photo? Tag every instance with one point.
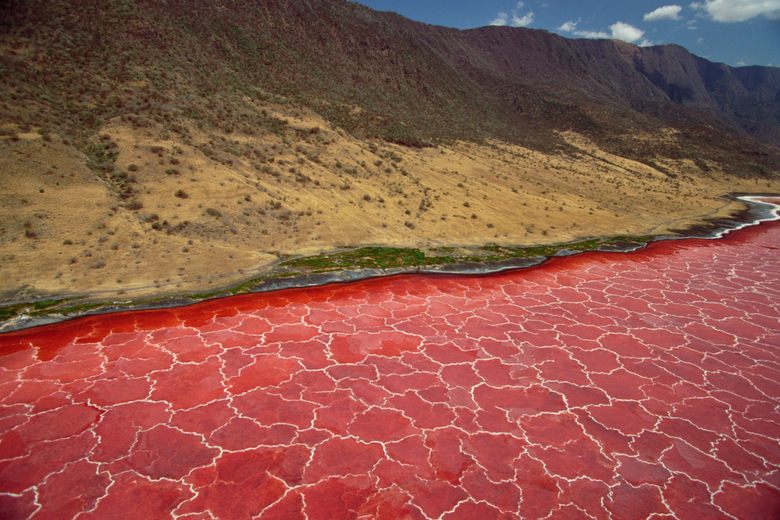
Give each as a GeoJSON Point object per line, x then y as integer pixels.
{"type": "Point", "coordinates": [736, 32]}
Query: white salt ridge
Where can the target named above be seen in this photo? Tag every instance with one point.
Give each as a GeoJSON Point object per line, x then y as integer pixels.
{"type": "Point", "coordinates": [774, 214]}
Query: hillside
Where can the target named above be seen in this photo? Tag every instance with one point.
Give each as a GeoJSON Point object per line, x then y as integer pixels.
{"type": "Point", "coordinates": [169, 146]}
{"type": "Point", "coordinates": [373, 74]}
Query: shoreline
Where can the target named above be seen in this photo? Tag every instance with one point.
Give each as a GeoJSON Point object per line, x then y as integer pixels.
{"type": "Point", "coordinates": [26, 315]}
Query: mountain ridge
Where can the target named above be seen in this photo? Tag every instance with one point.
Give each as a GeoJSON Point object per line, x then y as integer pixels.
{"type": "Point", "coordinates": [415, 83]}
{"type": "Point", "coordinates": [153, 147]}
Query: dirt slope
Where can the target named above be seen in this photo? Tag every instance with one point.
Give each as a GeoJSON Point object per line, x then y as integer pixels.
{"type": "Point", "coordinates": [195, 223]}
{"type": "Point", "coordinates": [151, 147]}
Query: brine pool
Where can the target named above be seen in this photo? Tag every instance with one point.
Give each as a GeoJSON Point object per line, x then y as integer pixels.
{"type": "Point", "coordinates": [602, 385]}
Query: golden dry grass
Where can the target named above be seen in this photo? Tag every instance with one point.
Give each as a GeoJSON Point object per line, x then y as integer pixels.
{"type": "Point", "coordinates": [208, 221]}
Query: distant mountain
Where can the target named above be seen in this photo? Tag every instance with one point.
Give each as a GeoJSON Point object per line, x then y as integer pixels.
{"type": "Point", "coordinates": [72, 65]}
{"type": "Point", "coordinates": [154, 147]}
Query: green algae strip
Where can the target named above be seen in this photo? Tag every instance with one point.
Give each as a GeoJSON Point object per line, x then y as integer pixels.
{"type": "Point", "coordinates": [368, 258]}
{"type": "Point", "coordinates": [361, 258]}
{"type": "Point", "coordinates": [393, 257]}
{"type": "Point", "coordinates": [9, 311]}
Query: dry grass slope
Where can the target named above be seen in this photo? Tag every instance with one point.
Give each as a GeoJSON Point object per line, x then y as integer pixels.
{"type": "Point", "coordinates": [154, 148]}
{"type": "Point", "coordinates": [196, 222]}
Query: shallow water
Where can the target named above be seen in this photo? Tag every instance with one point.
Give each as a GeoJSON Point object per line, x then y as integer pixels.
{"type": "Point", "coordinates": [623, 384]}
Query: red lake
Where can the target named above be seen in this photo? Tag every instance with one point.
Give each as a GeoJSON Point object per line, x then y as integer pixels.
{"type": "Point", "coordinates": [601, 385]}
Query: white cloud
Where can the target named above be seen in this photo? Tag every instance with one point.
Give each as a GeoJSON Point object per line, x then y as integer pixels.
{"type": "Point", "coordinates": [618, 31]}
{"type": "Point", "coordinates": [523, 21]}
{"type": "Point", "coordinates": [519, 5]}
{"type": "Point", "coordinates": [646, 43]}
{"type": "Point", "coordinates": [626, 32]}
{"type": "Point", "coordinates": [568, 26]}
{"type": "Point", "coordinates": [666, 12]}
{"type": "Point", "coordinates": [501, 19]}
{"type": "Point", "coordinates": [699, 41]}
{"type": "Point", "coordinates": [592, 35]}
{"type": "Point", "coordinates": [738, 10]}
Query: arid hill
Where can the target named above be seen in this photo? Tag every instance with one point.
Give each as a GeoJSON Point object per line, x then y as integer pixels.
{"type": "Point", "coordinates": [152, 147]}
{"type": "Point", "coordinates": [373, 74]}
